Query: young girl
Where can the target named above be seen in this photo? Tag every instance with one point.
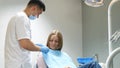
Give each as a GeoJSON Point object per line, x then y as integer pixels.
{"type": "Point", "coordinates": [55, 58]}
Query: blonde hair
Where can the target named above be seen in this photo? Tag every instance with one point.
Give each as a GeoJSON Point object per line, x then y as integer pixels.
{"type": "Point", "coordinates": [60, 38]}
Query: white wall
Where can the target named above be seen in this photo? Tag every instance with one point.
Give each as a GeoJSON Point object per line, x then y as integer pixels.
{"type": "Point", "coordinates": [64, 15]}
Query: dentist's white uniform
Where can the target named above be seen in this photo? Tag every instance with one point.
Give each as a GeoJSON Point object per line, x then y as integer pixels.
{"type": "Point", "coordinates": [16, 56]}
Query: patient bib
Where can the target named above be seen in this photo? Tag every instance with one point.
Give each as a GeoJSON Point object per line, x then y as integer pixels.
{"type": "Point", "coordinates": [58, 59]}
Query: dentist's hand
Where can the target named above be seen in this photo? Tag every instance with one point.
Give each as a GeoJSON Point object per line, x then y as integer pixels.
{"type": "Point", "coordinates": [43, 48]}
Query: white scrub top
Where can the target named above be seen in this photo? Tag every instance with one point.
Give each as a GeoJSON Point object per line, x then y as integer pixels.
{"type": "Point", "coordinates": [18, 28]}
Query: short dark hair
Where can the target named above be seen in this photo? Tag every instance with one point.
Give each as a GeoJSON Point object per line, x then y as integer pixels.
{"type": "Point", "coordinates": [39, 3]}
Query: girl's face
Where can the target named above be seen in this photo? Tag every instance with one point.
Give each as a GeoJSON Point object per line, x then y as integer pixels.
{"type": "Point", "coordinates": [54, 42]}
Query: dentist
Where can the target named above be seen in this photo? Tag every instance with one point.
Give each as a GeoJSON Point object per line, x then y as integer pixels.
{"type": "Point", "coordinates": [18, 42]}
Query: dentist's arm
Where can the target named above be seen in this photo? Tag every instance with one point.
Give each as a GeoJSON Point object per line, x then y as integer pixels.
{"type": "Point", "coordinates": [29, 45]}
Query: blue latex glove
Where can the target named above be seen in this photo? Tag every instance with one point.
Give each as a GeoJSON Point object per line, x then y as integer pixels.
{"type": "Point", "coordinates": [43, 48]}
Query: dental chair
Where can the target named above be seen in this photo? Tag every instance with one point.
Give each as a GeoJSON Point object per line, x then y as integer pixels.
{"type": "Point", "coordinates": [88, 62]}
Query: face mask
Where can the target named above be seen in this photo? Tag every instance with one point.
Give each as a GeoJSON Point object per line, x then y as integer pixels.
{"type": "Point", "coordinates": [31, 17]}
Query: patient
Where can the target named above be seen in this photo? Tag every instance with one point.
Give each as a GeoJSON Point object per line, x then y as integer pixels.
{"type": "Point", "coordinates": [55, 58]}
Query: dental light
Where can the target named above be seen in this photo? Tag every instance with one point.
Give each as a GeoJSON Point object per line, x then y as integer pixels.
{"type": "Point", "coordinates": [94, 3]}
